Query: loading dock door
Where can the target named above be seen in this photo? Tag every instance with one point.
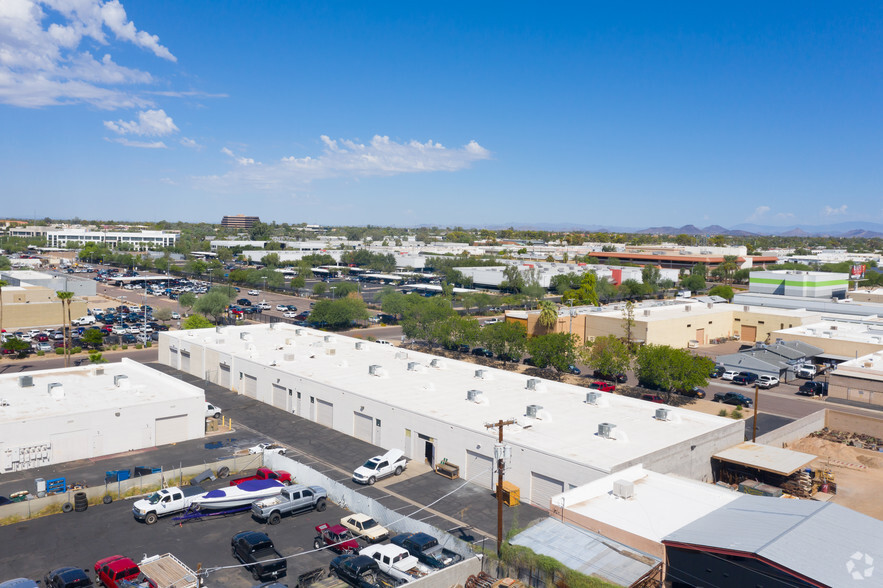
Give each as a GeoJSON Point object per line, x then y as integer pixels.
{"type": "Point", "coordinates": [543, 488]}
{"type": "Point", "coordinates": [185, 361]}
{"type": "Point", "coordinates": [225, 376]}
{"type": "Point", "coordinates": [280, 397]}
{"type": "Point", "coordinates": [700, 336]}
{"type": "Point", "coordinates": [748, 334]}
{"type": "Point", "coordinates": [363, 426]}
{"type": "Point", "coordinates": [251, 386]}
{"type": "Point", "coordinates": [171, 429]}
{"type": "Point", "coordinates": [480, 469]}
{"type": "Point", "coordinates": [324, 413]}
{"type": "Point", "coordinates": [70, 446]}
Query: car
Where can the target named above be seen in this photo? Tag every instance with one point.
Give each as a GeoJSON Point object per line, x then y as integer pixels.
{"type": "Point", "coordinates": [745, 378]}
{"type": "Point", "coordinates": [67, 577]}
{"type": "Point", "coordinates": [602, 386]}
{"type": "Point", "coordinates": [378, 467]}
{"type": "Point", "coordinates": [766, 381]}
{"type": "Point", "coordinates": [717, 371]}
{"type": "Point", "coordinates": [360, 571]}
{"type": "Point", "coordinates": [729, 375]}
{"type": "Point", "coordinates": [383, 342]}
{"type": "Point", "coordinates": [653, 398]}
{"type": "Point", "coordinates": [253, 293]}
{"type": "Point", "coordinates": [694, 392]}
{"type": "Point", "coordinates": [281, 307]}
{"type": "Point", "coordinates": [813, 388]}
{"type": "Point", "coordinates": [289, 314]}
{"type": "Point", "coordinates": [118, 571]}
{"type": "Point", "coordinates": [733, 398]}
{"type": "Point", "coordinates": [255, 550]}
{"type": "Point", "coordinates": [175, 315]}
{"type": "Point", "coordinates": [374, 319]}
{"type": "Point", "coordinates": [482, 352]}
{"type": "Point", "coordinates": [426, 549]}
{"type": "Point", "coordinates": [365, 527]}
{"type": "Point", "coordinates": [19, 583]}
{"type": "Point", "coordinates": [619, 378]}
{"type": "Point", "coordinates": [243, 302]}
{"type": "Point", "coordinates": [806, 371]}
{"type": "Point", "coordinates": [266, 447]}
{"type": "Point", "coordinates": [212, 411]}
{"type": "Point", "coordinates": [574, 370]}
{"type": "Point", "coordinates": [336, 538]}
{"type": "Point", "coordinates": [44, 347]}
{"type": "Point", "coordinates": [264, 306]}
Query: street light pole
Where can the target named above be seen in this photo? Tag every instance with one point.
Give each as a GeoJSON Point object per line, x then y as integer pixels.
{"type": "Point", "coordinates": [570, 302]}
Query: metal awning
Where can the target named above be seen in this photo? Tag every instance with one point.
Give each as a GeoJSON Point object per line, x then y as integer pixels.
{"type": "Point", "coordinates": [776, 460]}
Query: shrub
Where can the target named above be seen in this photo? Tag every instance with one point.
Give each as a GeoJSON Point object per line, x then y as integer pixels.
{"type": "Point", "coordinates": [722, 412]}
{"type": "Point", "coordinates": [76, 349]}
{"type": "Point", "coordinates": [125, 346]}
{"type": "Point", "coordinates": [737, 413]}
{"type": "Point", "coordinates": [139, 346]}
{"type": "Point", "coordinates": [148, 344]}
{"type": "Point", "coordinates": [40, 354]}
{"type": "Point", "coordinates": [59, 351]}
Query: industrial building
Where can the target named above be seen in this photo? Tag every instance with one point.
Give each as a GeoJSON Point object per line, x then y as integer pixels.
{"type": "Point", "coordinates": [543, 272]}
{"type": "Point", "coordinates": [439, 409]}
{"type": "Point", "coordinates": [780, 359]}
{"type": "Point", "coordinates": [840, 339]}
{"type": "Point", "coordinates": [800, 283]}
{"type": "Point", "coordinates": [55, 281]}
{"type": "Point", "coordinates": [26, 305]}
{"type": "Point", "coordinates": [858, 380]}
{"type": "Point", "coordinates": [54, 416]}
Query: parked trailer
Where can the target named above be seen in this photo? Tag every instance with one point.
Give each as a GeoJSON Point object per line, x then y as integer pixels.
{"type": "Point", "coordinates": [167, 571]}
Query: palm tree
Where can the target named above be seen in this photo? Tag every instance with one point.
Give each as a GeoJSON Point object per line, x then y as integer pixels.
{"type": "Point", "coordinates": [3, 284]}
{"type": "Point", "coordinates": [548, 314]}
{"type": "Point", "coordinates": [65, 298]}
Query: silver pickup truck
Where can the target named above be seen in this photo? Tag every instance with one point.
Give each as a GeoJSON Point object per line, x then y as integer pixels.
{"type": "Point", "coordinates": [294, 498]}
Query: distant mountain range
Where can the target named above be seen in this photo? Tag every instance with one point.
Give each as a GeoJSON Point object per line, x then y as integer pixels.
{"type": "Point", "coordinates": [847, 229]}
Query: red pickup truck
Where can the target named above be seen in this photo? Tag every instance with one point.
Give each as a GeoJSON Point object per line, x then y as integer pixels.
{"type": "Point", "coordinates": [265, 474]}
{"type": "Point", "coordinates": [111, 571]}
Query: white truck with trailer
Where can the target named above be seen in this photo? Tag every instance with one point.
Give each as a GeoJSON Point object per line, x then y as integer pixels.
{"type": "Point", "coordinates": [165, 502]}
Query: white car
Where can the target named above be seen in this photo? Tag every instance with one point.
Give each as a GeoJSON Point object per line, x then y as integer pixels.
{"type": "Point", "coordinates": [281, 307]}
{"type": "Point", "coordinates": [253, 292]}
{"type": "Point", "coordinates": [175, 316]}
{"type": "Point", "coordinates": [767, 381]}
{"type": "Point", "coordinates": [264, 306]}
{"type": "Point", "coordinates": [289, 314]}
{"type": "Point", "coordinates": [729, 375]}
{"type": "Point", "coordinates": [267, 448]}
{"type": "Point", "coordinates": [212, 411]}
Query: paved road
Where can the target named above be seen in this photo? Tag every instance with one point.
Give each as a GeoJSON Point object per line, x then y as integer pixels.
{"type": "Point", "coordinates": [12, 366]}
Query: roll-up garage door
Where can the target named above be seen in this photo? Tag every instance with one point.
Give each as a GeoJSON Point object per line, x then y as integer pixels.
{"type": "Point", "coordinates": [185, 361]}
{"type": "Point", "coordinates": [363, 425]}
{"type": "Point", "coordinates": [748, 334]}
{"type": "Point", "coordinates": [70, 446]}
{"type": "Point", "coordinates": [480, 469]}
{"type": "Point", "coordinates": [280, 397]}
{"type": "Point", "coordinates": [543, 488]}
{"type": "Point", "coordinates": [225, 376]}
{"type": "Point", "coordinates": [324, 413]}
{"type": "Point", "coordinates": [251, 386]}
{"type": "Point", "coordinates": [171, 429]}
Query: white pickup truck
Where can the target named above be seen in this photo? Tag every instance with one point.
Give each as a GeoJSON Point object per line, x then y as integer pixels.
{"type": "Point", "coordinates": [396, 562]}
{"type": "Point", "coordinates": [381, 466]}
{"type": "Point", "coordinates": [165, 502]}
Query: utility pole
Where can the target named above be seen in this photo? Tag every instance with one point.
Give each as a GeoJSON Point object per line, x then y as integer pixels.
{"type": "Point", "coordinates": [754, 427]}
{"type": "Point", "coordinates": [499, 454]}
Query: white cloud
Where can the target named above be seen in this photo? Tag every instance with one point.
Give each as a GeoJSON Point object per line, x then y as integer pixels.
{"type": "Point", "coordinates": [150, 123]}
{"type": "Point", "coordinates": [784, 215]}
{"type": "Point", "coordinates": [140, 144]}
{"type": "Point", "coordinates": [828, 211]}
{"type": "Point", "coordinates": [40, 60]}
{"type": "Point", "coordinates": [346, 158]}
{"type": "Point", "coordinates": [186, 142]}
{"type": "Point", "coordinates": [759, 213]}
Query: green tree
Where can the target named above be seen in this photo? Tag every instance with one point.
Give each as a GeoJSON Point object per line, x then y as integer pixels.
{"type": "Point", "coordinates": [298, 282]}
{"type": "Point", "coordinates": [505, 339]}
{"type": "Point", "coordinates": [605, 289]}
{"type": "Point", "coordinates": [213, 303]}
{"type": "Point", "coordinates": [339, 313]}
{"type": "Point", "coordinates": [671, 370]}
{"type": "Point", "coordinates": [608, 354]}
{"type": "Point", "coordinates": [722, 291]}
{"type": "Point", "coordinates": [343, 289]}
{"type": "Point", "coordinates": [548, 314]}
{"type": "Point", "coordinates": [225, 254]}
{"type": "Point", "coordinates": [92, 338]}
{"type": "Point", "coordinates": [320, 288]}
{"type": "Point", "coordinates": [628, 321]}
{"type": "Point", "coordinates": [513, 281]}
{"type": "Point", "coordinates": [260, 232]}
{"type": "Point", "coordinates": [5, 264]}
{"type": "Point", "coordinates": [65, 298]}
{"type": "Point", "coordinates": [651, 276]}
{"type": "Point", "coordinates": [555, 349]}
{"type": "Point", "coordinates": [186, 300]}
{"type": "Point", "coordinates": [421, 315]}
{"type": "Point", "coordinates": [17, 345]}
{"type": "Point", "coordinates": [271, 260]}
{"type": "Point", "coordinates": [395, 303]}
{"type": "Point", "coordinates": [196, 266]}
{"type": "Point", "coordinates": [163, 314]}
{"type": "Point", "coordinates": [693, 282]}
{"type": "Point", "coordinates": [585, 294]}
{"type": "Point", "coordinates": [196, 321]}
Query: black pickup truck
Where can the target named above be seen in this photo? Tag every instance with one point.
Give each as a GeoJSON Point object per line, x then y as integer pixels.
{"type": "Point", "coordinates": [425, 548]}
{"type": "Point", "coordinates": [257, 552]}
{"type": "Point", "coordinates": [361, 571]}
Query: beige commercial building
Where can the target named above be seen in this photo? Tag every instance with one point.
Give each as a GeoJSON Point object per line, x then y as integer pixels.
{"type": "Point", "coordinates": [33, 306]}
{"type": "Point", "coordinates": [674, 323]}
{"type": "Point", "coordinates": [858, 380]}
{"type": "Point", "coordinates": [841, 340]}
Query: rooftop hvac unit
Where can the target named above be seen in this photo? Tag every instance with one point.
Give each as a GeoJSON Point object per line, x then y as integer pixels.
{"type": "Point", "coordinates": [646, 312]}
{"type": "Point", "coordinates": [437, 363]}
{"type": "Point", "coordinates": [117, 379]}
{"type": "Point", "coordinates": [592, 397]}
{"type": "Point", "coordinates": [219, 329]}
{"type": "Point", "coordinates": [289, 341]}
{"type": "Point", "coordinates": [328, 338]}
{"type": "Point", "coordinates": [605, 430]}
{"type": "Point", "coordinates": [833, 327]}
{"type": "Point", "coordinates": [288, 357]}
{"type": "Point", "coordinates": [360, 345]}
{"type": "Point", "coordinates": [687, 308]}
{"type": "Point", "coordinates": [413, 366]}
{"type": "Point", "coordinates": [55, 390]}
{"type": "Point", "coordinates": [480, 374]}
{"type": "Point", "coordinates": [473, 395]}
{"type": "Point", "coordinates": [375, 370]}
{"type": "Point", "coordinates": [97, 371]}
{"type": "Point", "coordinates": [745, 308]}
{"type": "Point", "coordinates": [331, 351]}
{"type": "Point", "coordinates": [532, 410]}
{"type": "Point", "coordinates": [662, 414]}
{"type": "Point", "coordinates": [624, 489]}
{"type": "Point", "coordinates": [25, 381]}
{"type": "Point", "coordinates": [220, 341]}
{"type": "Point", "coordinates": [299, 332]}
{"type": "Point", "coordinates": [401, 355]}
{"type": "Point", "coordinates": [711, 305]}
{"type": "Point", "coordinates": [245, 336]}
{"type": "Point", "coordinates": [533, 383]}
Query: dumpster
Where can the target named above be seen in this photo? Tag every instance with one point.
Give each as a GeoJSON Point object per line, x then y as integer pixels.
{"type": "Point", "coordinates": [116, 475]}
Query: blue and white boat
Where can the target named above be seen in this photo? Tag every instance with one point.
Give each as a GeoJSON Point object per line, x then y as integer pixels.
{"type": "Point", "coordinates": [234, 496]}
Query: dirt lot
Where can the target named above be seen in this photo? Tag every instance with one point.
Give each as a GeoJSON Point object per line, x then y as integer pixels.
{"type": "Point", "coordinates": [856, 489]}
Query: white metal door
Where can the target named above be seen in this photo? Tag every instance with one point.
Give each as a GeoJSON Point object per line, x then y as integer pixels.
{"type": "Point", "coordinates": [185, 361]}
{"type": "Point", "coordinates": [324, 413]}
{"type": "Point", "coordinates": [71, 446]}
{"type": "Point", "coordinates": [280, 397]}
{"type": "Point", "coordinates": [251, 386]}
{"type": "Point", "coordinates": [362, 427]}
{"type": "Point", "coordinates": [480, 469]}
{"type": "Point", "coordinates": [543, 488]}
{"type": "Point", "coordinates": [171, 429]}
{"type": "Point", "coordinates": [225, 376]}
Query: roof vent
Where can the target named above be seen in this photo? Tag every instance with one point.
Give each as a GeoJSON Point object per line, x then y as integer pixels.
{"type": "Point", "coordinates": [25, 381]}
{"type": "Point", "coordinates": [288, 357]}
{"type": "Point", "coordinates": [482, 374]}
{"type": "Point", "coordinates": [331, 351]}
{"type": "Point", "coordinates": [360, 345]}
{"type": "Point", "coordinates": [376, 370]}
{"type": "Point", "coordinates": [415, 366]}
{"type": "Point", "coordinates": [97, 371]}
{"type": "Point", "coordinates": [624, 489]}
{"type": "Point", "coordinates": [646, 312]}
{"type": "Point", "coordinates": [593, 397]}
{"type": "Point", "coordinates": [473, 395]}
{"type": "Point", "coordinates": [711, 305]}
{"type": "Point", "coordinates": [120, 380]}
{"type": "Point", "coordinates": [534, 383]}
{"type": "Point", "coordinates": [745, 308]}
{"type": "Point", "coordinates": [219, 329]}
{"type": "Point", "coordinates": [56, 390]}
{"type": "Point", "coordinates": [437, 364]}
{"type": "Point", "coordinates": [245, 336]}
{"type": "Point", "coordinates": [300, 332]}
{"type": "Point", "coordinates": [605, 430]}
{"type": "Point", "coordinates": [532, 410]}
{"type": "Point", "coordinates": [401, 355]}
{"type": "Point", "coordinates": [662, 414]}
{"type": "Point", "coordinates": [328, 338]}
{"type": "Point", "coordinates": [275, 326]}
{"type": "Point", "coordinates": [687, 308]}
{"type": "Point", "coordinates": [289, 341]}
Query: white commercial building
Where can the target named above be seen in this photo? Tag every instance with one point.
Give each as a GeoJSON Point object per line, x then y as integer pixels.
{"type": "Point", "coordinates": [543, 272]}
{"type": "Point", "coordinates": [53, 416]}
{"type": "Point", "coordinates": [81, 236]}
{"type": "Point", "coordinates": [435, 408]}
{"type": "Point", "coordinates": [825, 285]}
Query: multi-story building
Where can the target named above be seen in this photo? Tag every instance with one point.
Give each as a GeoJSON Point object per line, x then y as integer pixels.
{"type": "Point", "coordinates": [239, 221]}
{"type": "Point", "coordinates": [81, 236]}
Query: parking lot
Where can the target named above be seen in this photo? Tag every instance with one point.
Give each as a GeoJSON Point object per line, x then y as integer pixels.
{"type": "Point", "coordinates": [33, 547]}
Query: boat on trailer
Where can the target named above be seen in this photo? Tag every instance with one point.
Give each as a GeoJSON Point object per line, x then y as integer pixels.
{"type": "Point", "coordinates": [235, 496]}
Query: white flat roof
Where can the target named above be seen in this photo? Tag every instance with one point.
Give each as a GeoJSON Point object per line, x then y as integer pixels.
{"type": "Point", "coordinates": [85, 391]}
{"type": "Point", "coordinates": [567, 426]}
{"type": "Point", "coordinates": [661, 503]}
{"type": "Point", "coordinates": [869, 367]}
{"type": "Point", "coordinates": [867, 331]}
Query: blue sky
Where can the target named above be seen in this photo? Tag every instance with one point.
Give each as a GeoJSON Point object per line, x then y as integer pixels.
{"type": "Point", "coordinates": [472, 113]}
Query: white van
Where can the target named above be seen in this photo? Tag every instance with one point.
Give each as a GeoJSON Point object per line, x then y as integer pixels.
{"type": "Point", "coordinates": [84, 320]}
{"type": "Point", "coordinates": [212, 411]}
